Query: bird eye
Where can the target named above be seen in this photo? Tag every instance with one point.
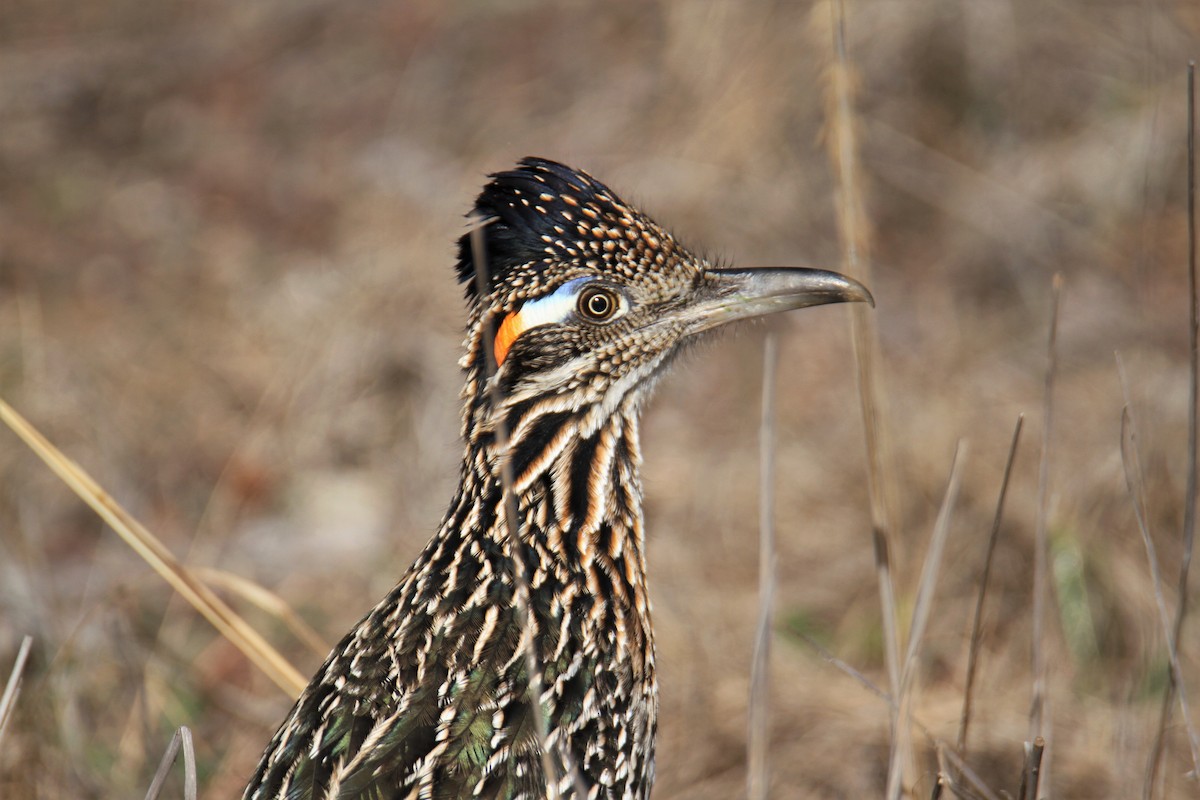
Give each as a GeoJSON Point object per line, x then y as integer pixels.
{"type": "Point", "coordinates": [598, 304]}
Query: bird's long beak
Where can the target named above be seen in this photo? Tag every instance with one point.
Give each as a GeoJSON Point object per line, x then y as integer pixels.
{"type": "Point", "coordinates": [734, 294]}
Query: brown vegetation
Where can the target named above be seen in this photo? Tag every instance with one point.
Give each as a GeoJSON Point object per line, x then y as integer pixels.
{"type": "Point", "coordinates": [226, 291]}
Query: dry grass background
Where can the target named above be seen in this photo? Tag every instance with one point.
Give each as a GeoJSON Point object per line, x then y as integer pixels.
{"type": "Point", "coordinates": [226, 290]}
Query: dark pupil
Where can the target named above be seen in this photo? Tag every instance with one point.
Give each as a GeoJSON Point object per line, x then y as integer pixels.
{"type": "Point", "coordinates": [598, 305]}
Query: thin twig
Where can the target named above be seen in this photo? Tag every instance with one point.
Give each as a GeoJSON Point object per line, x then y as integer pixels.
{"type": "Point", "coordinates": [189, 763]}
{"type": "Point", "coordinates": [861, 679]}
{"type": "Point", "coordinates": [182, 738]}
{"type": "Point", "coordinates": [1189, 517]}
{"type": "Point", "coordinates": [12, 689]}
{"type": "Point", "coordinates": [164, 768]}
{"type": "Point", "coordinates": [1032, 774]}
{"type": "Point", "coordinates": [965, 771]}
{"type": "Point", "coordinates": [920, 619]}
{"type": "Point", "coordinates": [1189, 499]}
{"type": "Point", "coordinates": [973, 788]}
{"type": "Point", "coordinates": [521, 596]}
{"type": "Point", "coordinates": [1137, 492]}
{"type": "Point", "coordinates": [1038, 725]}
{"type": "Point", "coordinates": [758, 778]}
{"type": "Point", "coordinates": [942, 779]}
{"type": "Point", "coordinates": [977, 622]}
{"type": "Point", "coordinates": [975, 783]}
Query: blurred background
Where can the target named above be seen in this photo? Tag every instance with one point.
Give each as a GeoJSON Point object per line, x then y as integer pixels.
{"type": "Point", "coordinates": [226, 289]}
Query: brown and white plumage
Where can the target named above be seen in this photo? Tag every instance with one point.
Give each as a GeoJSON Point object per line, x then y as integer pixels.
{"type": "Point", "coordinates": [583, 303]}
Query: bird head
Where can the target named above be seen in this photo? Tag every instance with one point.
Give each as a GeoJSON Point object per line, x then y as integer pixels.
{"type": "Point", "coordinates": [577, 295]}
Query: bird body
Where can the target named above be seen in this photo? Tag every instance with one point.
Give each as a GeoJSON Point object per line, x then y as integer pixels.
{"type": "Point", "coordinates": [535, 582]}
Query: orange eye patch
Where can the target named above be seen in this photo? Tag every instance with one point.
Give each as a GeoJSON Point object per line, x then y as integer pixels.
{"type": "Point", "coordinates": [554, 308]}
{"type": "Point", "coordinates": [510, 329]}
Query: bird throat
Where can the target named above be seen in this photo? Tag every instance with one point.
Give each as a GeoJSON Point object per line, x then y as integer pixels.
{"type": "Point", "coordinates": [576, 488]}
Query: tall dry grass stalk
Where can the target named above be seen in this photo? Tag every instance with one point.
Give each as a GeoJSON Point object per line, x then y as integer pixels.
{"type": "Point", "coordinates": [920, 619]}
{"type": "Point", "coordinates": [267, 601]}
{"type": "Point", "coordinates": [12, 689]}
{"type": "Point", "coordinates": [1039, 713]}
{"type": "Point", "coordinates": [1189, 499]}
{"type": "Point", "coordinates": [1135, 482]}
{"type": "Point", "coordinates": [839, 83]}
{"type": "Point", "coordinates": [758, 777]}
{"type": "Point", "coordinates": [182, 740]}
{"type": "Point", "coordinates": [231, 625]}
{"type": "Point", "coordinates": [984, 579]}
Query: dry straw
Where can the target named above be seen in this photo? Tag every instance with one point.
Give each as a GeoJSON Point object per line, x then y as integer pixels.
{"type": "Point", "coordinates": [920, 619]}
{"type": "Point", "coordinates": [1189, 498]}
{"type": "Point", "coordinates": [1039, 713]}
{"type": "Point", "coordinates": [156, 554]}
{"type": "Point", "coordinates": [181, 740]}
{"type": "Point", "coordinates": [1135, 482]}
{"type": "Point", "coordinates": [758, 779]}
{"type": "Point", "coordinates": [984, 579]}
{"type": "Point", "coordinates": [12, 689]}
{"type": "Point", "coordinates": [841, 139]}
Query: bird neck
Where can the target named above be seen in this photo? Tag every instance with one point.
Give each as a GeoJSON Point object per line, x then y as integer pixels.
{"type": "Point", "coordinates": [576, 470]}
{"type": "Point", "coordinates": [574, 476]}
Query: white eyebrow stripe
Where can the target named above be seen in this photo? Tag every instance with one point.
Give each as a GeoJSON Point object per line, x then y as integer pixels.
{"type": "Point", "coordinates": [554, 307]}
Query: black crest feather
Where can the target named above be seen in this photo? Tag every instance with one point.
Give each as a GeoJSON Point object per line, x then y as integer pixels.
{"type": "Point", "coordinates": [532, 213]}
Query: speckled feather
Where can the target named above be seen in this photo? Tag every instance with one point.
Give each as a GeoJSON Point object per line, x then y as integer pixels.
{"type": "Point", "coordinates": [428, 695]}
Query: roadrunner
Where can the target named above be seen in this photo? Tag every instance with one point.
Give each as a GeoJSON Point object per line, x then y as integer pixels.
{"type": "Point", "coordinates": [581, 304]}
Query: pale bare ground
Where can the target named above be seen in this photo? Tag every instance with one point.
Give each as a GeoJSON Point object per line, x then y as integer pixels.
{"type": "Point", "coordinates": [226, 290]}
